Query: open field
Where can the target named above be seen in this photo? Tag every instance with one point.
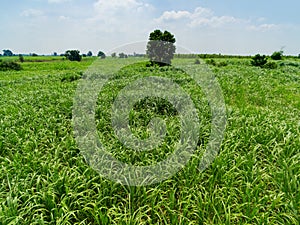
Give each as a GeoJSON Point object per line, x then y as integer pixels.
{"type": "Point", "coordinates": [255, 179]}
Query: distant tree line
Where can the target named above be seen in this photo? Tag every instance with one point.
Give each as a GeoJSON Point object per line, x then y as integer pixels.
{"type": "Point", "coordinates": [122, 55]}
{"type": "Point", "coordinates": [161, 50]}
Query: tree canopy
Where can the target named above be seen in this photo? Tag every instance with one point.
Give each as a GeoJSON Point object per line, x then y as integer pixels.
{"type": "Point", "coordinates": [7, 52]}
{"type": "Point", "coordinates": [101, 55]}
{"type": "Point", "coordinates": [277, 55]}
{"type": "Point", "coordinates": [73, 55]}
{"type": "Point", "coordinates": [161, 48]}
{"type": "Point", "coordinates": [89, 54]}
{"type": "Point", "coordinates": [259, 60]}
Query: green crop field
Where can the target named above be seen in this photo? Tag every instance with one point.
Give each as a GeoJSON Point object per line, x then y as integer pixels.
{"type": "Point", "coordinates": [255, 178]}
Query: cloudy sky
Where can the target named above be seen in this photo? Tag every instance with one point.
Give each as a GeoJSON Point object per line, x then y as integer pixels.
{"type": "Point", "coordinates": [207, 26]}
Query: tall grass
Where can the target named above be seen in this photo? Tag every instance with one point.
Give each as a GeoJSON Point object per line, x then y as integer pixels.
{"type": "Point", "coordinates": [254, 179]}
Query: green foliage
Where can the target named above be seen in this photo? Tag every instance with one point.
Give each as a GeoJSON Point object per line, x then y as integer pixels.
{"type": "Point", "coordinates": [7, 52]}
{"type": "Point", "coordinates": [101, 55]}
{"type": "Point", "coordinates": [259, 60]}
{"type": "Point", "coordinates": [73, 55]}
{"type": "Point", "coordinates": [185, 56]}
{"type": "Point", "coordinates": [113, 55]}
{"type": "Point", "coordinates": [222, 63]}
{"type": "Point", "coordinates": [89, 54]}
{"type": "Point", "coordinates": [288, 63]}
{"type": "Point", "coordinates": [122, 55]}
{"type": "Point", "coordinates": [197, 61]}
{"type": "Point", "coordinates": [277, 55]}
{"type": "Point", "coordinates": [253, 180]}
{"type": "Point", "coordinates": [220, 56]}
{"type": "Point", "coordinates": [21, 58]}
{"type": "Point", "coordinates": [211, 62]}
{"type": "Point", "coordinates": [70, 77]}
{"type": "Point", "coordinates": [161, 48]}
{"type": "Point", "coordinates": [9, 65]}
{"type": "Point", "coordinates": [270, 65]}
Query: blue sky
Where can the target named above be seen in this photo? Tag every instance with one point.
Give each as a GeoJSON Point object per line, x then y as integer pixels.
{"type": "Point", "coordinates": [206, 26]}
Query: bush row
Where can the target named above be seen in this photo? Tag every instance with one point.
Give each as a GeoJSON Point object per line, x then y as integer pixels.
{"type": "Point", "coordinates": [9, 65]}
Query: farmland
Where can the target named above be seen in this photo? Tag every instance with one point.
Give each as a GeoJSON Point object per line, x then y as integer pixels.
{"type": "Point", "coordinates": [254, 179]}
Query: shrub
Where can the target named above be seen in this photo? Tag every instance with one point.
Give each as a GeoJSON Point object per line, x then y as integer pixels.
{"type": "Point", "coordinates": [101, 55]}
{"type": "Point", "coordinates": [211, 62]}
{"type": "Point", "coordinates": [277, 55]}
{"type": "Point", "coordinates": [4, 66]}
{"type": "Point", "coordinates": [270, 65]}
{"type": "Point", "coordinates": [73, 55]}
{"type": "Point", "coordinates": [89, 54]}
{"type": "Point", "coordinates": [295, 64]}
{"type": "Point", "coordinates": [70, 77]}
{"type": "Point", "coordinates": [21, 58]}
{"type": "Point", "coordinates": [259, 60]}
{"type": "Point", "coordinates": [122, 55]}
{"type": "Point", "coordinates": [223, 63]}
{"type": "Point", "coordinates": [197, 61]}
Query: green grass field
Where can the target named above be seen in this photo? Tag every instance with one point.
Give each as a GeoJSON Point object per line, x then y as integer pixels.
{"type": "Point", "coordinates": [255, 179]}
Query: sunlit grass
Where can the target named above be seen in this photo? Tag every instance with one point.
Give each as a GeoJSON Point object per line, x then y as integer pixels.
{"type": "Point", "coordinates": [254, 179]}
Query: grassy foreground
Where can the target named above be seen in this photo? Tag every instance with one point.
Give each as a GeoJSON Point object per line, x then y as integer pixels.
{"type": "Point", "coordinates": [254, 180]}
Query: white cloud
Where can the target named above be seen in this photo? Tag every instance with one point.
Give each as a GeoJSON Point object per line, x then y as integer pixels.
{"type": "Point", "coordinates": [108, 7]}
{"type": "Point", "coordinates": [173, 15]}
{"type": "Point", "coordinates": [104, 24]}
{"type": "Point", "coordinates": [200, 17]}
{"type": "Point", "coordinates": [178, 15]}
{"type": "Point", "coordinates": [125, 16]}
{"type": "Point", "coordinates": [264, 27]}
{"type": "Point", "coordinates": [201, 12]}
{"type": "Point", "coordinates": [32, 13]}
{"type": "Point", "coordinates": [207, 31]}
{"type": "Point", "coordinates": [63, 18]}
{"type": "Point", "coordinates": [213, 21]}
{"type": "Point", "coordinates": [204, 17]}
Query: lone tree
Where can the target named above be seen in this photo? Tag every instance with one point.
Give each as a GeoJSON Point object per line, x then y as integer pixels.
{"type": "Point", "coordinates": [101, 55]}
{"type": "Point", "coordinates": [89, 54]}
{"type": "Point", "coordinates": [259, 60]}
{"type": "Point", "coordinates": [161, 48]}
{"type": "Point", "coordinates": [7, 53]}
{"type": "Point", "coordinates": [73, 55]}
{"type": "Point", "coordinates": [277, 55]}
